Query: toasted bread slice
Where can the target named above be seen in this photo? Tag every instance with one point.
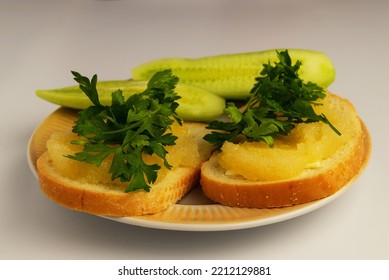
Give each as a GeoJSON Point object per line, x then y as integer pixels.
{"type": "Point", "coordinates": [316, 180]}
{"type": "Point", "coordinates": [102, 198]}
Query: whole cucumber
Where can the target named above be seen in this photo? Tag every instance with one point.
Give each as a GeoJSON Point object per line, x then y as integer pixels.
{"type": "Point", "coordinates": [233, 75]}
{"type": "Point", "coordinates": [195, 104]}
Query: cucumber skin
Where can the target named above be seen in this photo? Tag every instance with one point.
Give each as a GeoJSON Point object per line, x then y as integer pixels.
{"type": "Point", "coordinates": [191, 104]}
{"type": "Point", "coordinates": [233, 75]}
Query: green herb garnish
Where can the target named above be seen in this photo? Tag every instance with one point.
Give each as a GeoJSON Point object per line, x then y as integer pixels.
{"type": "Point", "coordinates": [128, 128]}
{"type": "Point", "coordinates": [278, 102]}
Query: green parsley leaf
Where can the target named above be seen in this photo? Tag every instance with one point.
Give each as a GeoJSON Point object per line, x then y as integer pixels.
{"type": "Point", "coordinates": [279, 100]}
{"type": "Point", "coordinates": [88, 86]}
{"type": "Point", "coordinates": [128, 128]}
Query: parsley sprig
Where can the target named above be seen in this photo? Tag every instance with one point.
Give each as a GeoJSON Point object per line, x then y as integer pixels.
{"type": "Point", "coordinates": [128, 128]}
{"type": "Point", "coordinates": [279, 100]}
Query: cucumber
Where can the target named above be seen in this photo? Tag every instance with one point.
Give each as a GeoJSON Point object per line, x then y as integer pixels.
{"type": "Point", "coordinates": [233, 75]}
{"type": "Point", "coordinates": [195, 104]}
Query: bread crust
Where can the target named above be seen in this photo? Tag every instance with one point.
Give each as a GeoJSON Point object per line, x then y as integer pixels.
{"type": "Point", "coordinates": [337, 172]}
{"type": "Point", "coordinates": [101, 201]}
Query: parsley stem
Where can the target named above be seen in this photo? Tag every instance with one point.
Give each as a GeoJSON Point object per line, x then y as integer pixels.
{"type": "Point", "coordinates": [124, 129]}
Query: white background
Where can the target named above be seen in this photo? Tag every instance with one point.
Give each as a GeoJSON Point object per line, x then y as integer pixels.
{"type": "Point", "coordinates": [41, 41]}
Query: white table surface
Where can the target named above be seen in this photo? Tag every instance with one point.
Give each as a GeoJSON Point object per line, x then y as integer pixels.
{"type": "Point", "coordinates": [41, 41]}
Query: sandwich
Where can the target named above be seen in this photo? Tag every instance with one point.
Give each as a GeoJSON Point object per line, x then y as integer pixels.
{"type": "Point", "coordinates": [311, 163]}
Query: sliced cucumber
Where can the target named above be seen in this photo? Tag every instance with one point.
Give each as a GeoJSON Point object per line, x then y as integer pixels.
{"type": "Point", "coordinates": [196, 104]}
{"type": "Point", "coordinates": [73, 97]}
{"type": "Point", "coordinates": [233, 75]}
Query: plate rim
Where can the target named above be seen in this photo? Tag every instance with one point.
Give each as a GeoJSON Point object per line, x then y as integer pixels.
{"type": "Point", "coordinates": [295, 211]}
{"type": "Point", "coordinates": [229, 226]}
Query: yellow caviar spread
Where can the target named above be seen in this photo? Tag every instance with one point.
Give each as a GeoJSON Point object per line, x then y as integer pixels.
{"type": "Point", "coordinates": [305, 147]}
{"type": "Point", "coordinates": [59, 145]}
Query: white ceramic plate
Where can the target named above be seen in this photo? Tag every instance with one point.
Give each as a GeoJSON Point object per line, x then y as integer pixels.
{"type": "Point", "coordinates": [194, 212]}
